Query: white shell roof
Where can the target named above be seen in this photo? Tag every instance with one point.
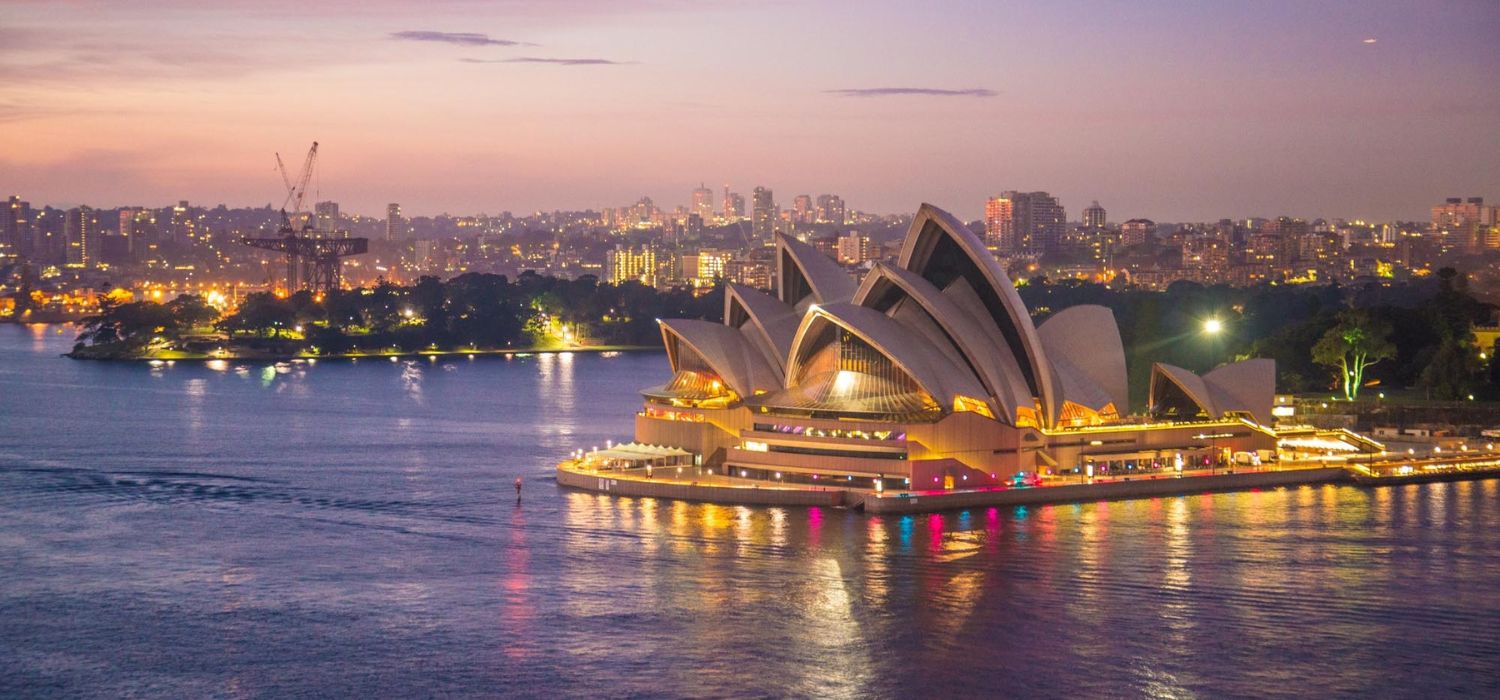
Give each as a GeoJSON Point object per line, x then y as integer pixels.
{"type": "Point", "coordinates": [909, 351]}
{"type": "Point", "coordinates": [915, 255]}
{"type": "Point", "coordinates": [1248, 386]}
{"type": "Point", "coordinates": [1083, 345]}
{"type": "Point", "coordinates": [739, 364]}
{"type": "Point", "coordinates": [771, 323]}
{"type": "Point", "coordinates": [975, 337]}
{"type": "Point", "coordinates": [829, 283]}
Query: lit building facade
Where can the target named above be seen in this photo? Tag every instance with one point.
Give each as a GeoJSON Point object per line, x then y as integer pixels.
{"type": "Point", "coordinates": [930, 374]}
{"type": "Point", "coordinates": [703, 202]}
{"type": "Point", "coordinates": [1093, 217]}
{"type": "Point", "coordinates": [394, 224]}
{"type": "Point", "coordinates": [327, 214]}
{"type": "Point", "coordinates": [1466, 222]}
{"type": "Point", "coordinates": [81, 231]}
{"type": "Point", "coordinates": [763, 213]}
{"type": "Point", "coordinates": [831, 210]}
{"type": "Point", "coordinates": [1024, 222]}
{"type": "Point", "coordinates": [626, 264]}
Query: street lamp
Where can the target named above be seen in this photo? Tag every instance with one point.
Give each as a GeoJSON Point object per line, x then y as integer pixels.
{"type": "Point", "coordinates": [1213, 326]}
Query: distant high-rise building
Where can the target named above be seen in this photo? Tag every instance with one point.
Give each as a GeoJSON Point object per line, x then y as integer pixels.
{"type": "Point", "coordinates": [703, 202]}
{"type": "Point", "coordinates": [705, 267]}
{"type": "Point", "coordinates": [181, 222]}
{"type": "Point", "coordinates": [12, 229]}
{"type": "Point", "coordinates": [81, 232]}
{"type": "Point", "coordinates": [853, 248]}
{"type": "Point", "coordinates": [327, 214]}
{"type": "Point", "coordinates": [831, 209]}
{"type": "Point", "coordinates": [393, 221]}
{"type": "Point", "coordinates": [1465, 222]}
{"type": "Point", "coordinates": [736, 209]}
{"type": "Point", "coordinates": [137, 227]}
{"type": "Point", "coordinates": [1024, 222]}
{"type": "Point", "coordinates": [763, 213]}
{"type": "Point", "coordinates": [1093, 217]}
{"type": "Point", "coordinates": [802, 210]}
{"type": "Point", "coordinates": [999, 222]}
{"type": "Point", "coordinates": [625, 264]}
{"type": "Point", "coordinates": [1137, 232]}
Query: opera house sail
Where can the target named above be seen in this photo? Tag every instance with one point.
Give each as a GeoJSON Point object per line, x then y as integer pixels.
{"type": "Point", "coordinates": [929, 374]}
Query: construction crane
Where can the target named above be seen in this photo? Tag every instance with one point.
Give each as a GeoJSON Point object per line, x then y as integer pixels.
{"type": "Point", "coordinates": [296, 192]}
{"type": "Point", "coordinates": [312, 263]}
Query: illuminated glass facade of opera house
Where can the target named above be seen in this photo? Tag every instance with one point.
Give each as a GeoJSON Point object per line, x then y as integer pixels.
{"type": "Point", "coordinates": [930, 374]}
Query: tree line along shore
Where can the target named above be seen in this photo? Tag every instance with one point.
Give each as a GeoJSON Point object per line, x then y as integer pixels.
{"type": "Point", "coordinates": [1417, 338]}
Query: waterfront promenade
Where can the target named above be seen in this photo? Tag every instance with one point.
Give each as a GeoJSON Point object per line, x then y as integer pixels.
{"type": "Point", "coordinates": [692, 486]}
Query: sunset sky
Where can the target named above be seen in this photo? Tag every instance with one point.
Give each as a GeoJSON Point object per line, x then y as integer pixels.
{"type": "Point", "coordinates": [1170, 110]}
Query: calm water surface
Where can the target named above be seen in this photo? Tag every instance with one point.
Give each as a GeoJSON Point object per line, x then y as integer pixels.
{"type": "Point", "coordinates": [245, 530]}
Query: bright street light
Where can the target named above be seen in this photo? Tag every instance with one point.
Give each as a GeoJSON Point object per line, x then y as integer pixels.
{"type": "Point", "coordinates": [1213, 326]}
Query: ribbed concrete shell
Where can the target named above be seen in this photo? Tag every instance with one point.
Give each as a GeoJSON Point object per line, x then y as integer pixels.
{"type": "Point", "coordinates": [1083, 345]}
{"type": "Point", "coordinates": [942, 249]}
{"type": "Point", "coordinates": [768, 323]}
{"type": "Point", "coordinates": [804, 276]}
{"type": "Point", "coordinates": [742, 367]}
{"type": "Point", "coordinates": [909, 352]}
{"type": "Point", "coordinates": [1248, 386]}
{"type": "Point", "coordinates": [976, 340]}
{"type": "Point", "coordinates": [1190, 384]}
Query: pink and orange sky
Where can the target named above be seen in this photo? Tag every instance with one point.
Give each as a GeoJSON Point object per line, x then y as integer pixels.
{"type": "Point", "coordinates": [1169, 110]}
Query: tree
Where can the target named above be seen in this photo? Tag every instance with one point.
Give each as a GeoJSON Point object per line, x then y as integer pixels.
{"type": "Point", "coordinates": [191, 311]}
{"type": "Point", "coordinates": [1450, 373]}
{"type": "Point", "coordinates": [261, 313]}
{"type": "Point", "coordinates": [1358, 341]}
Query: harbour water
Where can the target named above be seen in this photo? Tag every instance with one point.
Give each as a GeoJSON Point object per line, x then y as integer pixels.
{"type": "Point", "coordinates": [351, 528]}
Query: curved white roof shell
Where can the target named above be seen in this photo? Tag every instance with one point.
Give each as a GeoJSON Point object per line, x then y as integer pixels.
{"type": "Point", "coordinates": [909, 352]}
{"type": "Point", "coordinates": [740, 365]}
{"type": "Point", "coordinates": [764, 319]}
{"type": "Point", "coordinates": [803, 274]}
{"type": "Point", "coordinates": [977, 341]}
{"type": "Point", "coordinates": [932, 243]}
{"type": "Point", "coordinates": [1083, 345]}
{"type": "Point", "coordinates": [1248, 386]}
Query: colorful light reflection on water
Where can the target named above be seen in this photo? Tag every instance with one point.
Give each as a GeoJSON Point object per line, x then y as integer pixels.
{"type": "Point", "coordinates": [352, 529]}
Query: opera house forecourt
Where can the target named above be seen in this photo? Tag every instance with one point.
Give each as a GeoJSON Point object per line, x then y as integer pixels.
{"type": "Point", "coordinates": [918, 384]}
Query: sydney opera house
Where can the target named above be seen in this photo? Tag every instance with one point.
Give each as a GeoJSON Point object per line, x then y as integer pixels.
{"type": "Point", "coordinates": [930, 374]}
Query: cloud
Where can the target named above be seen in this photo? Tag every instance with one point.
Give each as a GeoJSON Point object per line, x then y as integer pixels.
{"type": "Point", "coordinates": [552, 61]}
{"type": "Point", "coordinates": [461, 38]}
{"type": "Point", "coordinates": [895, 91]}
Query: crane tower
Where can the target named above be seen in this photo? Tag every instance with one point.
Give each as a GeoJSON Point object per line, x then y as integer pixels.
{"type": "Point", "coordinates": [313, 262]}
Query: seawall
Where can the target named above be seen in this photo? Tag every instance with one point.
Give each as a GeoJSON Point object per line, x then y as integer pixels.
{"type": "Point", "coordinates": [924, 502]}
{"type": "Point", "coordinates": [1136, 488]}
{"type": "Point", "coordinates": [734, 495]}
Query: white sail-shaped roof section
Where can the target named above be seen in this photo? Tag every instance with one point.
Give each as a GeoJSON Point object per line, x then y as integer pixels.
{"type": "Point", "coordinates": [907, 350]}
{"type": "Point", "coordinates": [765, 321]}
{"type": "Point", "coordinates": [942, 249]}
{"type": "Point", "coordinates": [1083, 345]}
{"type": "Point", "coordinates": [804, 276]}
{"type": "Point", "coordinates": [724, 350]}
{"type": "Point", "coordinates": [979, 343]}
{"type": "Point", "coordinates": [1247, 386]}
{"type": "Point", "coordinates": [1173, 389]}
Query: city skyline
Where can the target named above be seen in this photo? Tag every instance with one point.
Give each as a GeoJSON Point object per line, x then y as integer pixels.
{"type": "Point", "coordinates": [1170, 113]}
